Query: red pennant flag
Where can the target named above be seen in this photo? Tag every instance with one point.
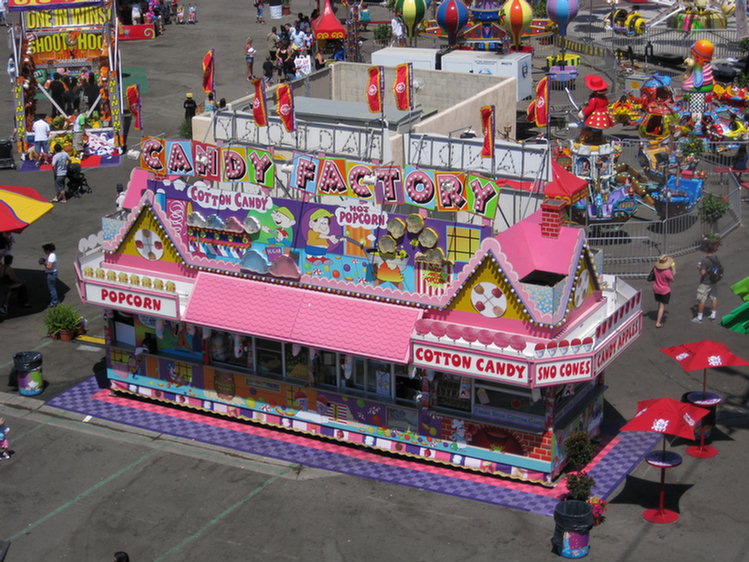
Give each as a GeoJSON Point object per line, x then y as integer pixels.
{"type": "Point", "coordinates": [285, 106]}
{"type": "Point", "coordinates": [403, 86]}
{"type": "Point", "coordinates": [538, 110]}
{"type": "Point", "coordinates": [374, 90]}
{"type": "Point", "coordinates": [133, 103]}
{"type": "Point", "coordinates": [259, 108]}
{"type": "Point", "coordinates": [487, 125]}
{"type": "Point", "coordinates": [208, 72]}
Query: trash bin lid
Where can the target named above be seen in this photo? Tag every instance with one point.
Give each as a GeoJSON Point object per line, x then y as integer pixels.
{"type": "Point", "coordinates": [25, 360]}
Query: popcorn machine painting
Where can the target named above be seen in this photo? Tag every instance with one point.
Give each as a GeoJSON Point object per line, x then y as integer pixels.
{"type": "Point", "coordinates": [432, 339]}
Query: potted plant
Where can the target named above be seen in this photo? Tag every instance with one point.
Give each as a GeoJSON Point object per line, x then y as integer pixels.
{"type": "Point", "coordinates": [710, 242]}
{"type": "Point", "coordinates": [62, 321]}
{"type": "Point", "coordinates": [579, 449]}
{"type": "Point", "coordinates": [599, 508]}
{"type": "Point", "coordinates": [382, 34]}
{"type": "Point", "coordinates": [711, 208]}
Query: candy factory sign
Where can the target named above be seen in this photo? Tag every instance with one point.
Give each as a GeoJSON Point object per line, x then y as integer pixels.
{"type": "Point", "coordinates": [383, 185]}
{"type": "Point", "coordinates": [489, 367]}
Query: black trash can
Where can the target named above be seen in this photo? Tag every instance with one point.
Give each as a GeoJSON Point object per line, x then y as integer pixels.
{"type": "Point", "coordinates": [28, 367]}
{"type": "Point", "coordinates": [573, 520]}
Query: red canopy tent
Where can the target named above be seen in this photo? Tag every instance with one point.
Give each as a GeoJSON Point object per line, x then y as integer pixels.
{"type": "Point", "coordinates": [327, 25]}
{"type": "Point", "coordinates": [565, 185]}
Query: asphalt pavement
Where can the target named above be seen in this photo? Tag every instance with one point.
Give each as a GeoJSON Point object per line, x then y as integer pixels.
{"type": "Point", "coordinates": [78, 490]}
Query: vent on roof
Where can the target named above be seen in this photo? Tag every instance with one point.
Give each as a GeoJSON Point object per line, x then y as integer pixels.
{"type": "Point", "coordinates": [543, 278]}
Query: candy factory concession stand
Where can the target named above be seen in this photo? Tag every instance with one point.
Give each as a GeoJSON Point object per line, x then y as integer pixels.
{"type": "Point", "coordinates": [422, 337]}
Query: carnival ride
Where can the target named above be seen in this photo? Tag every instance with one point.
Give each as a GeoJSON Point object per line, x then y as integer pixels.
{"type": "Point", "coordinates": [683, 15]}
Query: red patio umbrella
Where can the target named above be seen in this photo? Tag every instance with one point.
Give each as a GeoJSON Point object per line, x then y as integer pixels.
{"type": "Point", "coordinates": [667, 416]}
{"type": "Point", "coordinates": [703, 354]}
{"type": "Point", "coordinates": [20, 206]}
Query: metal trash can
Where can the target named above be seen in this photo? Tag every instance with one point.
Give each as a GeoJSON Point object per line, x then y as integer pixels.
{"type": "Point", "coordinates": [573, 521]}
{"type": "Point", "coordinates": [28, 367]}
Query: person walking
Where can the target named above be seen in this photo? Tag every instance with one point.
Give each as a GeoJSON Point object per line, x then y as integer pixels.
{"type": "Point", "coordinates": [260, 7]}
{"type": "Point", "coordinates": [249, 57]}
{"type": "Point", "coordinates": [664, 272]}
{"type": "Point", "coordinates": [50, 267]}
{"type": "Point", "coordinates": [60, 163]}
{"type": "Point", "coordinates": [708, 267]}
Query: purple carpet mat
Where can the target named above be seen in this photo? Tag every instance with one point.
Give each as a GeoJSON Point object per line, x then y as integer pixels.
{"type": "Point", "coordinates": [88, 162]}
{"type": "Point", "coordinates": [609, 471]}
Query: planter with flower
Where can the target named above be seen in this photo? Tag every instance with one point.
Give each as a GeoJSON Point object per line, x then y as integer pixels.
{"type": "Point", "coordinates": [599, 508]}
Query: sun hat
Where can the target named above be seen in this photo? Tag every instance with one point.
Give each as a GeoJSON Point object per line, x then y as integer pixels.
{"type": "Point", "coordinates": [189, 95]}
{"type": "Point", "coordinates": [595, 83]}
{"type": "Point", "coordinates": [664, 262]}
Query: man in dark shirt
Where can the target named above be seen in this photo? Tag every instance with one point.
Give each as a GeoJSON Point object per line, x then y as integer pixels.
{"type": "Point", "coordinates": [190, 107]}
{"type": "Point", "coordinates": [57, 91]}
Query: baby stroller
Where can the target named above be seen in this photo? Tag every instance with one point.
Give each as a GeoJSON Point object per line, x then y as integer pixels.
{"type": "Point", "coordinates": [77, 182]}
{"type": "Point", "coordinates": [192, 14]}
{"type": "Point", "coordinates": [180, 15]}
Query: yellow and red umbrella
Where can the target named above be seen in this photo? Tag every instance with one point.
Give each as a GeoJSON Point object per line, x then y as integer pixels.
{"type": "Point", "coordinates": [20, 206]}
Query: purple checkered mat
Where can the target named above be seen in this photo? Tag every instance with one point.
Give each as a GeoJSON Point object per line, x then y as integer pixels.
{"type": "Point", "coordinates": [610, 469]}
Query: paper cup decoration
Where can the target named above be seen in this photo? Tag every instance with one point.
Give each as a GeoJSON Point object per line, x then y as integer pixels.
{"type": "Point", "coordinates": [452, 17]}
{"type": "Point", "coordinates": [562, 12]}
{"type": "Point", "coordinates": [517, 17]}
{"type": "Point", "coordinates": [396, 228]}
{"type": "Point", "coordinates": [412, 12]}
{"type": "Point", "coordinates": [414, 223]}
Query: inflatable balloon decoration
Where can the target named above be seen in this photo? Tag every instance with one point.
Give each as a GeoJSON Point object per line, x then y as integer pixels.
{"type": "Point", "coordinates": [452, 17]}
{"type": "Point", "coordinates": [517, 17]}
{"type": "Point", "coordinates": [562, 12]}
{"type": "Point", "coordinates": [412, 12]}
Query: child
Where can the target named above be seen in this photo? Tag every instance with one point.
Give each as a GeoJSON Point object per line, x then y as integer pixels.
{"type": "Point", "coordinates": [4, 429]}
{"type": "Point", "coordinates": [249, 57]}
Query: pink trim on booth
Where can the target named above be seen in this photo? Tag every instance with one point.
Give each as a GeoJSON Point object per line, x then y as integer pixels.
{"type": "Point", "coordinates": [321, 320]}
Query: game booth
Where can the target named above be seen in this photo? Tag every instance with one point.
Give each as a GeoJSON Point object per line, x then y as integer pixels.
{"type": "Point", "coordinates": [340, 318]}
{"type": "Point", "coordinates": [73, 39]}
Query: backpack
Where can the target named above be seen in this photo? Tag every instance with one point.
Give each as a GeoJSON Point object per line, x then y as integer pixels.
{"type": "Point", "coordinates": [715, 273]}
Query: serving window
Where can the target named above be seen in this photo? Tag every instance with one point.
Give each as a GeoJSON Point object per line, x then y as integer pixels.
{"type": "Point", "coordinates": [452, 391]}
{"type": "Point", "coordinates": [497, 396]}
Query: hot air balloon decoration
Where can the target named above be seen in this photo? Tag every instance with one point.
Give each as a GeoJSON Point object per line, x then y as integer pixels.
{"type": "Point", "coordinates": [517, 17]}
{"type": "Point", "coordinates": [412, 12]}
{"type": "Point", "coordinates": [562, 12]}
{"type": "Point", "coordinates": [452, 17]}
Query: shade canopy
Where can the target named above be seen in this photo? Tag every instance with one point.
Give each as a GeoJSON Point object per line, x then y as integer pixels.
{"type": "Point", "coordinates": [20, 206]}
{"type": "Point", "coordinates": [564, 185]}
{"type": "Point", "coordinates": [667, 416]}
{"type": "Point", "coordinates": [704, 354]}
{"type": "Point", "coordinates": [327, 26]}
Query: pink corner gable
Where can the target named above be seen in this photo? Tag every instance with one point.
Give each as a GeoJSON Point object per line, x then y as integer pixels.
{"type": "Point", "coordinates": [313, 318]}
{"type": "Point", "coordinates": [521, 249]}
{"type": "Point", "coordinates": [135, 187]}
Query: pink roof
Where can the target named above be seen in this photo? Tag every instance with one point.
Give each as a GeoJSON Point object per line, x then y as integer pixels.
{"type": "Point", "coordinates": [527, 250]}
{"type": "Point", "coordinates": [135, 188]}
{"type": "Point", "coordinates": [321, 320]}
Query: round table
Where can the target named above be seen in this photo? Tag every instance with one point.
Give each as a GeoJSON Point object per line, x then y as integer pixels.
{"type": "Point", "coordinates": [703, 400]}
{"type": "Point", "coordinates": [662, 460]}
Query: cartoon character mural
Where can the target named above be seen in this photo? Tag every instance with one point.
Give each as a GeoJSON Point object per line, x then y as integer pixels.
{"type": "Point", "coordinates": [319, 237]}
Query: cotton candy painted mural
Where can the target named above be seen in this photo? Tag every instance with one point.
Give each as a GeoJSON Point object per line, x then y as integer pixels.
{"type": "Point", "coordinates": [354, 241]}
